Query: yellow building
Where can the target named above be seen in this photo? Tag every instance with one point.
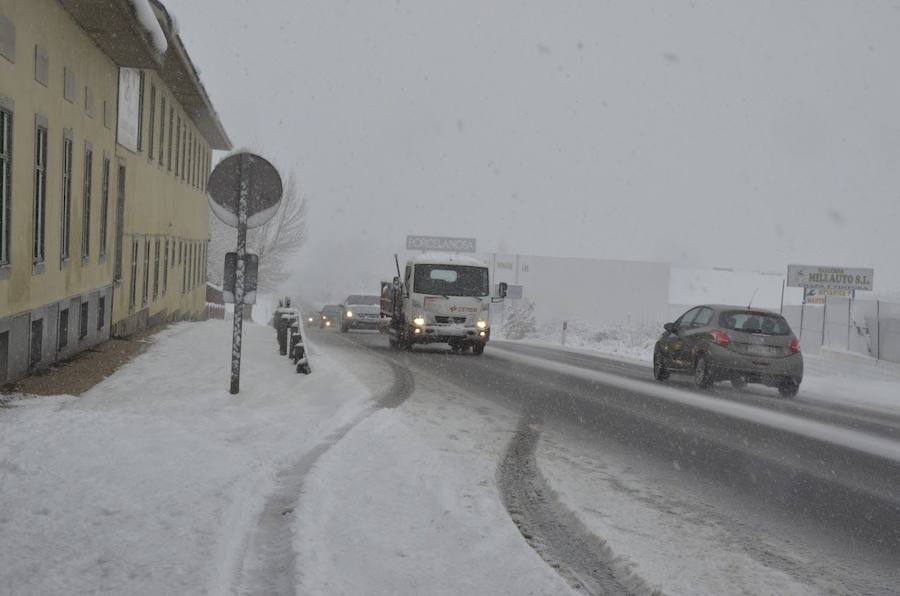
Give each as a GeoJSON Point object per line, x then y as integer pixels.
{"type": "Point", "coordinates": [106, 135]}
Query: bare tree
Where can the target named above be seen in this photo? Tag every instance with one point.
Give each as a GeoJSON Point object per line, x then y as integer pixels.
{"type": "Point", "coordinates": [275, 241]}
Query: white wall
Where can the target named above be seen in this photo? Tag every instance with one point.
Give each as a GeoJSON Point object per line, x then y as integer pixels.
{"type": "Point", "coordinates": [591, 290]}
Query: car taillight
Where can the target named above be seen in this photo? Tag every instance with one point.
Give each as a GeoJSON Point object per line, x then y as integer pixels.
{"type": "Point", "coordinates": [720, 337]}
{"type": "Point", "coordinates": [795, 346]}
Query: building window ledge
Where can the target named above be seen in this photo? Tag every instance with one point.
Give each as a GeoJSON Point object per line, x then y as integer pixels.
{"type": "Point", "coordinates": [4, 271]}
{"type": "Point", "coordinates": [64, 264]}
{"type": "Point", "coordinates": [38, 268]}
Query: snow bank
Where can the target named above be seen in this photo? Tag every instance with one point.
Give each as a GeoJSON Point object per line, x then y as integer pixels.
{"type": "Point", "coordinates": [629, 342]}
{"type": "Point", "coordinates": [150, 482]}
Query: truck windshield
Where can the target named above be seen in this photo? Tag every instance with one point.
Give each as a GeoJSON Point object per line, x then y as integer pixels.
{"type": "Point", "coordinates": [451, 280]}
{"type": "Point", "coordinates": [362, 300]}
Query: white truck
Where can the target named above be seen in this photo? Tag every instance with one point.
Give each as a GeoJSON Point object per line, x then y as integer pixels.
{"type": "Point", "coordinates": [439, 299]}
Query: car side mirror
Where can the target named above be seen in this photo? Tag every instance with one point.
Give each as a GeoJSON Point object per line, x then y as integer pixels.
{"type": "Point", "coordinates": [502, 289]}
{"type": "Point", "coordinates": [670, 327]}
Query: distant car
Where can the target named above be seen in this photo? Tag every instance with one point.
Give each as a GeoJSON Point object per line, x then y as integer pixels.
{"type": "Point", "coordinates": [361, 311]}
{"type": "Point", "coordinates": [733, 343]}
{"type": "Point", "coordinates": [331, 315]}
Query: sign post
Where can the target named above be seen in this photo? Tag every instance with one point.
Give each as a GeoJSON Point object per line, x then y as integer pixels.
{"type": "Point", "coordinates": [244, 192]}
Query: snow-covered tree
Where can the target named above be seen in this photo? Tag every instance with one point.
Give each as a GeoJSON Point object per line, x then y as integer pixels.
{"type": "Point", "coordinates": [275, 242]}
{"type": "Point", "coordinates": [520, 322]}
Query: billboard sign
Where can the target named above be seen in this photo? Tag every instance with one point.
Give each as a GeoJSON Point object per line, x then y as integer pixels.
{"type": "Point", "coordinates": [440, 243]}
{"type": "Point", "coordinates": [514, 292]}
{"type": "Point", "coordinates": [129, 108]}
{"type": "Point", "coordinates": [819, 295]}
{"type": "Point", "coordinates": [830, 278]}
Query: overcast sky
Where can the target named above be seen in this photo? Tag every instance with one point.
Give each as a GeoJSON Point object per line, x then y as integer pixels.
{"type": "Point", "coordinates": [736, 134]}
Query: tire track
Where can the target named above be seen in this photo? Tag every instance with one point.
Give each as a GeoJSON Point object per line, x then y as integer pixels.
{"type": "Point", "coordinates": [552, 530]}
{"type": "Point", "coordinates": [269, 561]}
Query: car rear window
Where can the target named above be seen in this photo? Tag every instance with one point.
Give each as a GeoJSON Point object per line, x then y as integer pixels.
{"type": "Point", "coordinates": [754, 322]}
{"type": "Point", "coordinates": [362, 300]}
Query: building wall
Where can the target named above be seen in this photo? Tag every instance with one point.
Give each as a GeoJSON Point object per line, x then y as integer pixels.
{"type": "Point", "coordinates": [592, 290]}
{"type": "Point", "coordinates": [161, 204]}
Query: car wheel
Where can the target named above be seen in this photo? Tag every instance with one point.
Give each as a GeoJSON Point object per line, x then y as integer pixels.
{"type": "Point", "coordinates": [660, 372]}
{"type": "Point", "coordinates": [702, 376]}
{"type": "Point", "coordinates": [788, 388]}
{"type": "Point", "coordinates": [478, 349]}
{"type": "Point", "coordinates": [456, 348]}
{"type": "Point", "coordinates": [738, 382]}
{"type": "Point", "coordinates": [345, 328]}
{"type": "Point", "coordinates": [393, 343]}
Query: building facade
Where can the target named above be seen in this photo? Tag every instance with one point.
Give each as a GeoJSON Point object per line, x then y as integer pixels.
{"type": "Point", "coordinates": [106, 139]}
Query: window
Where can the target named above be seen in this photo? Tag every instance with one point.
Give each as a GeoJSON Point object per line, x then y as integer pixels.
{"type": "Point", "coordinates": [41, 65]}
{"type": "Point", "coordinates": [687, 319]}
{"type": "Point", "coordinates": [188, 156]}
{"type": "Point", "coordinates": [101, 312]}
{"type": "Point", "coordinates": [183, 163]}
{"type": "Point", "coordinates": [184, 272]}
{"type": "Point", "coordinates": [165, 268]}
{"type": "Point", "coordinates": [104, 205]}
{"type": "Point", "coordinates": [36, 344]}
{"type": "Point", "coordinates": [151, 124]}
{"type": "Point", "coordinates": [65, 235]}
{"type": "Point", "coordinates": [140, 114]}
{"type": "Point", "coordinates": [83, 320]}
{"type": "Point", "coordinates": [40, 193]}
{"type": "Point", "coordinates": [145, 289]}
{"type": "Point", "coordinates": [177, 146]}
{"type": "Point", "coordinates": [120, 223]}
{"type": "Point", "coordinates": [86, 207]}
{"type": "Point", "coordinates": [62, 337]}
{"type": "Point", "coordinates": [156, 269]}
{"type": "Point", "coordinates": [132, 298]}
{"type": "Point", "coordinates": [169, 147]}
{"type": "Point", "coordinates": [5, 182]}
{"type": "Point", "coordinates": [757, 322]}
{"type": "Point", "coordinates": [162, 127]}
{"type": "Point", "coordinates": [4, 356]}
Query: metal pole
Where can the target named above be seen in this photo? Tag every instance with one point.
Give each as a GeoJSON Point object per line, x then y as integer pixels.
{"type": "Point", "coordinates": [238, 328]}
{"type": "Point", "coordinates": [849, 315]}
{"type": "Point", "coordinates": [878, 329]}
{"type": "Point", "coordinates": [802, 308]}
{"type": "Point", "coordinates": [824, 318]}
{"type": "Point", "coordinates": [781, 308]}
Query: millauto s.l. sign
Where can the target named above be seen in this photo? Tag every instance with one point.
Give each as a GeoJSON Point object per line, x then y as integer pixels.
{"type": "Point", "coordinates": [834, 278]}
{"type": "Point", "coordinates": [440, 243]}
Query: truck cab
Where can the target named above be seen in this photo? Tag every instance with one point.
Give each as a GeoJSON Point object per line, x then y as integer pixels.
{"type": "Point", "coordinates": [440, 299]}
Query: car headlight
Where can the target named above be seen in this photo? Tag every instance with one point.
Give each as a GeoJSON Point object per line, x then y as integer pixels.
{"type": "Point", "coordinates": [481, 324]}
{"type": "Point", "coordinates": [419, 321]}
{"type": "Point", "coordinates": [310, 319]}
{"type": "Point", "coordinates": [328, 323]}
{"type": "Point", "coordinates": [349, 314]}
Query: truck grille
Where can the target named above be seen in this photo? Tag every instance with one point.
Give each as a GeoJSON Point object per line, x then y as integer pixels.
{"type": "Point", "coordinates": [443, 320]}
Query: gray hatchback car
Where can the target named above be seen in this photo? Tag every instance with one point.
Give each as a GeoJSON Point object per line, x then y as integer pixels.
{"type": "Point", "coordinates": [731, 343]}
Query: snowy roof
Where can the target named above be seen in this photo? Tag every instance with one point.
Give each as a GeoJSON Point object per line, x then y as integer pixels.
{"type": "Point", "coordinates": [142, 34]}
{"type": "Point", "coordinates": [444, 258]}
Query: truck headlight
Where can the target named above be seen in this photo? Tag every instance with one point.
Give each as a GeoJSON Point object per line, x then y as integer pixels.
{"type": "Point", "coordinates": [349, 314]}
{"type": "Point", "coordinates": [481, 324]}
{"type": "Point", "coordinates": [419, 321]}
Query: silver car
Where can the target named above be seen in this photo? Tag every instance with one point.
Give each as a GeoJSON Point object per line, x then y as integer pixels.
{"type": "Point", "coordinates": [731, 343]}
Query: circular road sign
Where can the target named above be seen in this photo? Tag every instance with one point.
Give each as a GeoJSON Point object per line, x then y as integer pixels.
{"type": "Point", "coordinates": [263, 189]}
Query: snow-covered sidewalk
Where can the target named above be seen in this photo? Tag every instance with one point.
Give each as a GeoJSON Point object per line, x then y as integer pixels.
{"type": "Point", "coordinates": [150, 482]}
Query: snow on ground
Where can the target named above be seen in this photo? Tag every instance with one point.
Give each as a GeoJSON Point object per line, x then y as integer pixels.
{"type": "Point", "coordinates": [826, 379]}
{"type": "Point", "coordinates": [150, 482]}
{"type": "Point", "coordinates": [407, 503]}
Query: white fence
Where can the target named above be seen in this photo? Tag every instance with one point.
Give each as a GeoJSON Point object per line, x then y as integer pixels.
{"type": "Point", "coordinates": [868, 327]}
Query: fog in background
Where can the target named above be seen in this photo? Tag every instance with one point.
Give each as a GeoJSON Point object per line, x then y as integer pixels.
{"type": "Point", "coordinates": [734, 134]}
